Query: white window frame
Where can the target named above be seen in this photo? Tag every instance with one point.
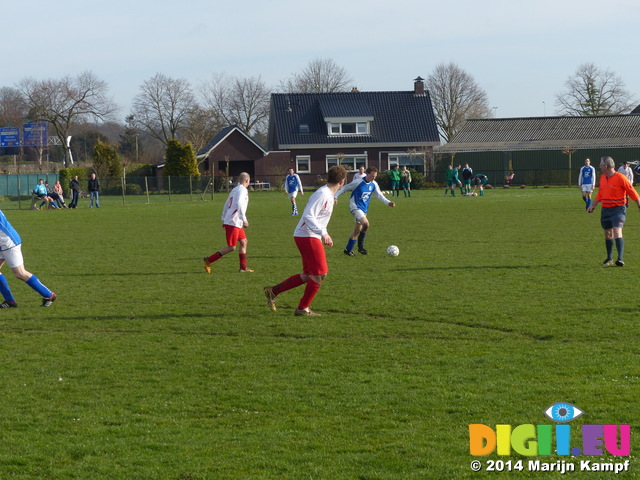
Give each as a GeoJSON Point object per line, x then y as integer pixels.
{"type": "Point", "coordinates": [394, 158]}
{"type": "Point", "coordinates": [351, 162]}
{"type": "Point", "coordinates": [360, 128]}
{"type": "Point", "coordinates": [303, 158]}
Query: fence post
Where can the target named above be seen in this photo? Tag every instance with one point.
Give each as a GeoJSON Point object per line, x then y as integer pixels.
{"type": "Point", "coordinates": [146, 187]}
{"type": "Point", "coordinates": [191, 187]}
{"type": "Point", "coordinates": [123, 188]}
{"type": "Point", "coordinates": [169, 177]}
{"type": "Point", "coordinates": [19, 202]}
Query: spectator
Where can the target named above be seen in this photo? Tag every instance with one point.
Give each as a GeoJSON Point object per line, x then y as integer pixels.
{"type": "Point", "coordinates": [94, 191]}
{"type": "Point", "coordinates": [74, 185]}
{"type": "Point", "coordinates": [55, 196]}
{"type": "Point", "coordinates": [41, 192]}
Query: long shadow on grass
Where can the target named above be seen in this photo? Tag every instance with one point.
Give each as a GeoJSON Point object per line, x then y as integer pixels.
{"type": "Point", "coordinates": [475, 267]}
{"type": "Point", "coordinates": [127, 274]}
{"type": "Point", "coordinates": [440, 321]}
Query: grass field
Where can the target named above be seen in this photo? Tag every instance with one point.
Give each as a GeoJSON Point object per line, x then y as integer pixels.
{"type": "Point", "coordinates": [148, 368]}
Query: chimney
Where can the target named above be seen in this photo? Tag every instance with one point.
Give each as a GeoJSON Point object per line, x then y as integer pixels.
{"type": "Point", "coordinates": [418, 86]}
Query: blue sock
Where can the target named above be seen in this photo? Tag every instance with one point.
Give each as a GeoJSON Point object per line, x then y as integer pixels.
{"type": "Point", "coordinates": [609, 244]}
{"type": "Point", "coordinates": [620, 247]}
{"type": "Point", "coordinates": [5, 290]}
{"type": "Point", "coordinates": [350, 244]}
{"type": "Point", "coordinates": [34, 283]}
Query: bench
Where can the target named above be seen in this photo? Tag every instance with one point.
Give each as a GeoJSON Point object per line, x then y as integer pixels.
{"type": "Point", "coordinates": [260, 185]}
{"type": "Point", "coordinates": [35, 199]}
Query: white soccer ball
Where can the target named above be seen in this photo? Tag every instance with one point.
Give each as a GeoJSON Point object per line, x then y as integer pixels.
{"type": "Point", "coordinates": [474, 194]}
{"type": "Point", "coordinates": [393, 251]}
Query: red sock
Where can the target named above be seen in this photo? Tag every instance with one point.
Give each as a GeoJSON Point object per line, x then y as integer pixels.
{"type": "Point", "coordinates": [291, 282]}
{"type": "Point", "coordinates": [214, 257]}
{"type": "Point", "coordinates": [309, 292]}
{"type": "Point", "coordinates": [243, 261]}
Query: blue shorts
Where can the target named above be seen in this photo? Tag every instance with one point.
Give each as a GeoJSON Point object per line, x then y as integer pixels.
{"type": "Point", "coordinates": [613, 217]}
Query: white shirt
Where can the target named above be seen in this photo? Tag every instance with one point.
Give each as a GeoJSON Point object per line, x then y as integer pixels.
{"type": "Point", "coordinates": [235, 208]}
{"type": "Point", "coordinates": [317, 214]}
{"type": "Point", "coordinates": [627, 172]}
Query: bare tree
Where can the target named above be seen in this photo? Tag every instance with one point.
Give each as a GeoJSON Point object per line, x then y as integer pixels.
{"type": "Point", "coordinates": [202, 125]}
{"type": "Point", "coordinates": [593, 91]}
{"type": "Point", "coordinates": [163, 107]}
{"type": "Point", "coordinates": [67, 102]}
{"type": "Point", "coordinates": [321, 75]}
{"type": "Point", "coordinates": [456, 97]}
{"type": "Point", "coordinates": [240, 101]}
{"type": "Point", "coordinates": [13, 108]}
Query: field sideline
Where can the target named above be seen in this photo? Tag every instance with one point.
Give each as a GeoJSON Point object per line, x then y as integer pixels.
{"type": "Point", "coordinates": [148, 368]}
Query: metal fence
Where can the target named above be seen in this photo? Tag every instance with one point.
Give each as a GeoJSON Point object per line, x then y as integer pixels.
{"type": "Point", "coordinates": [17, 190]}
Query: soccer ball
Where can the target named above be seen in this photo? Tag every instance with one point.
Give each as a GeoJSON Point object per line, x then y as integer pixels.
{"type": "Point", "coordinates": [393, 251]}
{"type": "Point", "coordinates": [474, 194]}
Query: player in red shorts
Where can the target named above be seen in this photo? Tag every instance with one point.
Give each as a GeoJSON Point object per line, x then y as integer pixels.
{"type": "Point", "coordinates": [234, 221]}
{"type": "Point", "coordinates": [309, 236]}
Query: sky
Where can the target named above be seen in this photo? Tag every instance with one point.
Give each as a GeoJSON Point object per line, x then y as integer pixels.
{"type": "Point", "coordinates": [520, 52]}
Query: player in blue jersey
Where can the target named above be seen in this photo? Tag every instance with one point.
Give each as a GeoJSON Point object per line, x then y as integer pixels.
{"type": "Point", "coordinates": [11, 254]}
{"type": "Point", "coordinates": [361, 190]}
{"type": "Point", "coordinates": [293, 185]}
{"type": "Point", "coordinates": [587, 181]}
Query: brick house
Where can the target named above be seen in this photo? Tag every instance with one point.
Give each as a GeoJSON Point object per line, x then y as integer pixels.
{"type": "Point", "coordinates": [313, 131]}
{"type": "Point", "coordinates": [355, 128]}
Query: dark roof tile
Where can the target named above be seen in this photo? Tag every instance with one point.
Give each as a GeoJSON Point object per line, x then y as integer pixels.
{"type": "Point", "coordinates": [545, 133]}
{"type": "Point", "coordinates": [398, 118]}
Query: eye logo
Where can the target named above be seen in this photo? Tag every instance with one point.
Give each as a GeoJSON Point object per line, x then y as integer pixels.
{"type": "Point", "coordinates": [563, 412]}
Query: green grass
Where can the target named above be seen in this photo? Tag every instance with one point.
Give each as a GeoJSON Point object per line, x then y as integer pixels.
{"type": "Point", "coordinates": [148, 368]}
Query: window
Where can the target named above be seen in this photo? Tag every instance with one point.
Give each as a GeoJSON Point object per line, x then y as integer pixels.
{"type": "Point", "coordinates": [303, 164]}
{"type": "Point", "coordinates": [349, 128]}
{"type": "Point", "coordinates": [410, 160]}
{"type": "Point", "coordinates": [304, 128]}
{"type": "Point", "coordinates": [350, 162]}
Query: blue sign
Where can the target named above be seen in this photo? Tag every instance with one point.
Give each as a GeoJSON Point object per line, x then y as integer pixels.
{"type": "Point", "coordinates": [34, 134]}
{"type": "Point", "coordinates": [9, 137]}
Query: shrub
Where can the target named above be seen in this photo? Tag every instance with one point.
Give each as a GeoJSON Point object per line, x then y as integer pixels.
{"type": "Point", "coordinates": [417, 179]}
{"type": "Point", "coordinates": [220, 181]}
{"type": "Point", "coordinates": [139, 170]}
{"type": "Point", "coordinates": [180, 160]}
{"type": "Point", "coordinates": [106, 161]}
{"type": "Point", "coordinates": [66, 174]}
{"type": "Point", "coordinates": [133, 189]}
{"type": "Point", "coordinates": [319, 182]}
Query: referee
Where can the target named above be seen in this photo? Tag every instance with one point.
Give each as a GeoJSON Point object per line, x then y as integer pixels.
{"type": "Point", "coordinates": [612, 193]}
